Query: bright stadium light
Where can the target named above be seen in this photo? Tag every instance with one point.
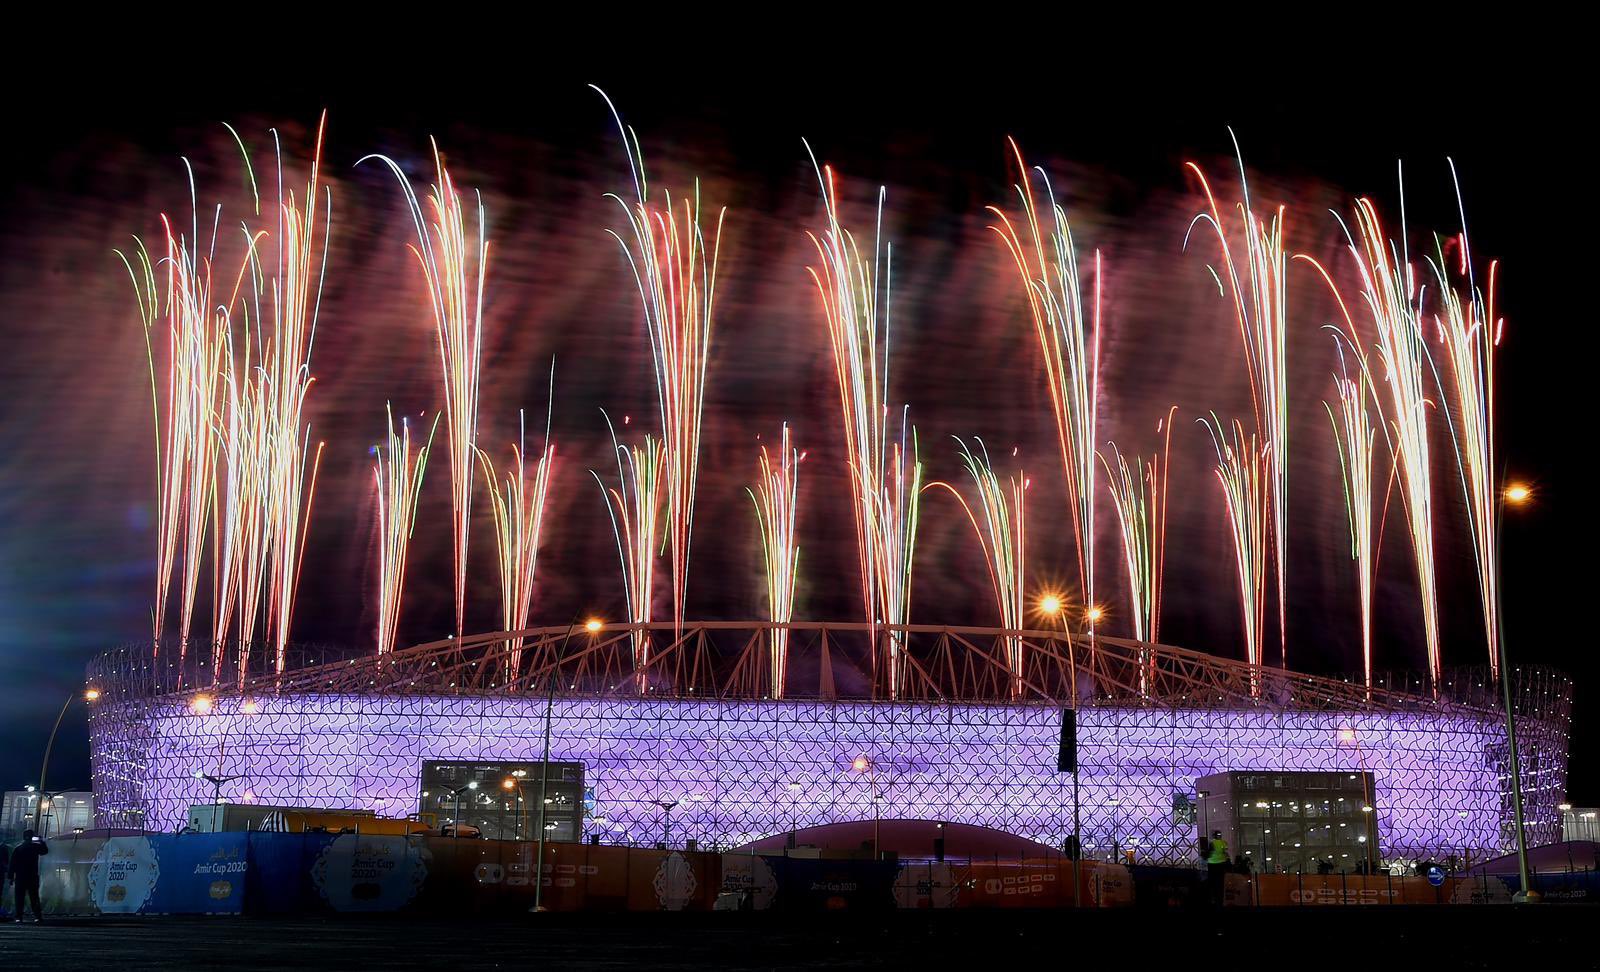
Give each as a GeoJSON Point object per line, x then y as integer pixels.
{"type": "Point", "coordinates": [592, 625]}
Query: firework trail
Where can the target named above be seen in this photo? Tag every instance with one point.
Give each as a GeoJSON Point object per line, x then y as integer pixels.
{"type": "Point", "coordinates": [1243, 467]}
{"type": "Point", "coordinates": [774, 497]}
{"type": "Point", "coordinates": [1355, 436]}
{"type": "Point", "coordinates": [1002, 533]}
{"type": "Point", "coordinates": [636, 505]}
{"type": "Point", "coordinates": [896, 506]}
{"type": "Point", "coordinates": [198, 375]}
{"type": "Point", "coordinates": [518, 511]}
{"type": "Point", "coordinates": [1356, 439]}
{"type": "Point", "coordinates": [170, 445]}
{"type": "Point", "coordinates": [1259, 307]}
{"type": "Point", "coordinates": [886, 479]}
{"type": "Point", "coordinates": [1392, 298]}
{"type": "Point", "coordinates": [295, 285]}
{"type": "Point", "coordinates": [397, 476]}
{"type": "Point", "coordinates": [1069, 344]}
{"type": "Point", "coordinates": [676, 274]}
{"type": "Point", "coordinates": [185, 443]}
{"type": "Point", "coordinates": [454, 270]}
{"type": "Point", "coordinates": [1139, 496]}
{"type": "Point", "coordinates": [1470, 332]}
{"type": "Point", "coordinates": [241, 538]}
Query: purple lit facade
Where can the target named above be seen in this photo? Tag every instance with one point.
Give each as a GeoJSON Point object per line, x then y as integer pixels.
{"type": "Point", "coordinates": [742, 770]}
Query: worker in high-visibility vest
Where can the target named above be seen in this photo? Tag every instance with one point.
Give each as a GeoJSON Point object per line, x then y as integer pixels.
{"type": "Point", "coordinates": [1217, 866]}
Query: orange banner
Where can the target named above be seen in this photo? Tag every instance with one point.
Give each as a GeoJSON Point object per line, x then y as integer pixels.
{"type": "Point", "coordinates": [1350, 889]}
{"type": "Point", "coordinates": [1015, 884]}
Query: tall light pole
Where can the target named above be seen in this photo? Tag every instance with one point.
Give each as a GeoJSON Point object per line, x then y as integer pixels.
{"type": "Point", "coordinates": [42, 821]}
{"type": "Point", "coordinates": [593, 626]}
{"type": "Point", "coordinates": [666, 819]}
{"type": "Point", "coordinates": [1051, 605]}
{"type": "Point", "coordinates": [89, 695]}
{"type": "Point", "coordinates": [864, 765]}
{"type": "Point", "coordinates": [1515, 494]}
{"type": "Point", "coordinates": [516, 781]}
{"type": "Point", "coordinates": [216, 782]}
{"type": "Point", "coordinates": [794, 813]}
{"type": "Point", "coordinates": [456, 791]}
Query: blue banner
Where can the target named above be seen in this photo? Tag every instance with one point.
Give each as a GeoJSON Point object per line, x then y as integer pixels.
{"type": "Point", "coordinates": [280, 871]}
{"type": "Point", "coordinates": [189, 874]}
{"type": "Point", "coordinates": [201, 874]}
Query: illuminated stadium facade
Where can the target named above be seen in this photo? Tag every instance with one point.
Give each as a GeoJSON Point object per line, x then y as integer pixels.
{"type": "Point", "coordinates": [961, 739]}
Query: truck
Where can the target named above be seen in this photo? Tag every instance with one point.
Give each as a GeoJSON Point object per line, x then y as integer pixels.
{"type": "Point", "coordinates": [211, 818]}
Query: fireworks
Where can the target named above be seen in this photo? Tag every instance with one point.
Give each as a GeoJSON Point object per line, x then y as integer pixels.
{"type": "Point", "coordinates": [229, 348]}
{"type": "Point", "coordinates": [1243, 466]}
{"type": "Point", "coordinates": [242, 538]}
{"type": "Point", "coordinates": [886, 479]}
{"type": "Point", "coordinates": [236, 415]}
{"type": "Point", "coordinates": [1259, 308]}
{"type": "Point", "coordinates": [1356, 439]}
{"type": "Point", "coordinates": [1394, 301]}
{"type": "Point", "coordinates": [169, 454]}
{"type": "Point", "coordinates": [1002, 534]}
{"type": "Point", "coordinates": [296, 288]}
{"type": "Point", "coordinates": [676, 274]}
{"type": "Point", "coordinates": [518, 519]}
{"type": "Point", "coordinates": [198, 378]}
{"type": "Point", "coordinates": [454, 270]}
{"type": "Point", "coordinates": [1069, 345]}
{"type": "Point", "coordinates": [397, 477]}
{"type": "Point", "coordinates": [185, 444]}
{"type": "Point", "coordinates": [636, 504]}
{"type": "Point", "coordinates": [1470, 332]}
{"type": "Point", "coordinates": [1139, 496]}
{"type": "Point", "coordinates": [774, 497]}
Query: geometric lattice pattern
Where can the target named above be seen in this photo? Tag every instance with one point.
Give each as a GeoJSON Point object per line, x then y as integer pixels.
{"type": "Point", "coordinates": [742, 769]}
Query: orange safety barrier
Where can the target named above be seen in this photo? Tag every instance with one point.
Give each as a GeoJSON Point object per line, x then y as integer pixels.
{"type": "Point", "coordinates": [1011, 884]}
{"type": "Point", "coordinates": [579, 877]}
{"type": "Point", "coordinates": [1354, 889]}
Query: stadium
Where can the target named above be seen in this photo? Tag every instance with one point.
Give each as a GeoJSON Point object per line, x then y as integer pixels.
{"type": "Point", "coordinates": [726, 733]}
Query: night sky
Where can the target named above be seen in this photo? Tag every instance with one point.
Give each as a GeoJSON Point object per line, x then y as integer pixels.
{"type": "Point", "coordinates": [76, 456]}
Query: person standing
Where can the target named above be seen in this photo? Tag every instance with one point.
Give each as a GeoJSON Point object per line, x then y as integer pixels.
{"type": "Point", "coordinates": [1217, 863]}
{"type": "Point", "coordinates": [24, 873]}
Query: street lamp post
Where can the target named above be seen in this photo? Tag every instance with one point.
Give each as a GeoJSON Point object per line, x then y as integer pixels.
{"type": "Point", "coordinates": [666, 819]}
{"type": "Point", "coordinates": [864, 765]}
{"type": "Point", "coordinates": [42, 819]}
{"type": "Point", "coordinates": [516, 781]}
{"type": "Point", "coordinates": [592, 626]}
{"type": "Point", "coordinates": [794, 813]}
{"type": "Point", "coordinates": [1051, 605]}
{"type": "Point", "coordinates": [1515, 494]}
{"type": "Point", "coordinates": [216, 782]}
{"type": "Point", "coordinates": [455, 792]}
{"type": "Point", "coordinates": [89, 695]}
